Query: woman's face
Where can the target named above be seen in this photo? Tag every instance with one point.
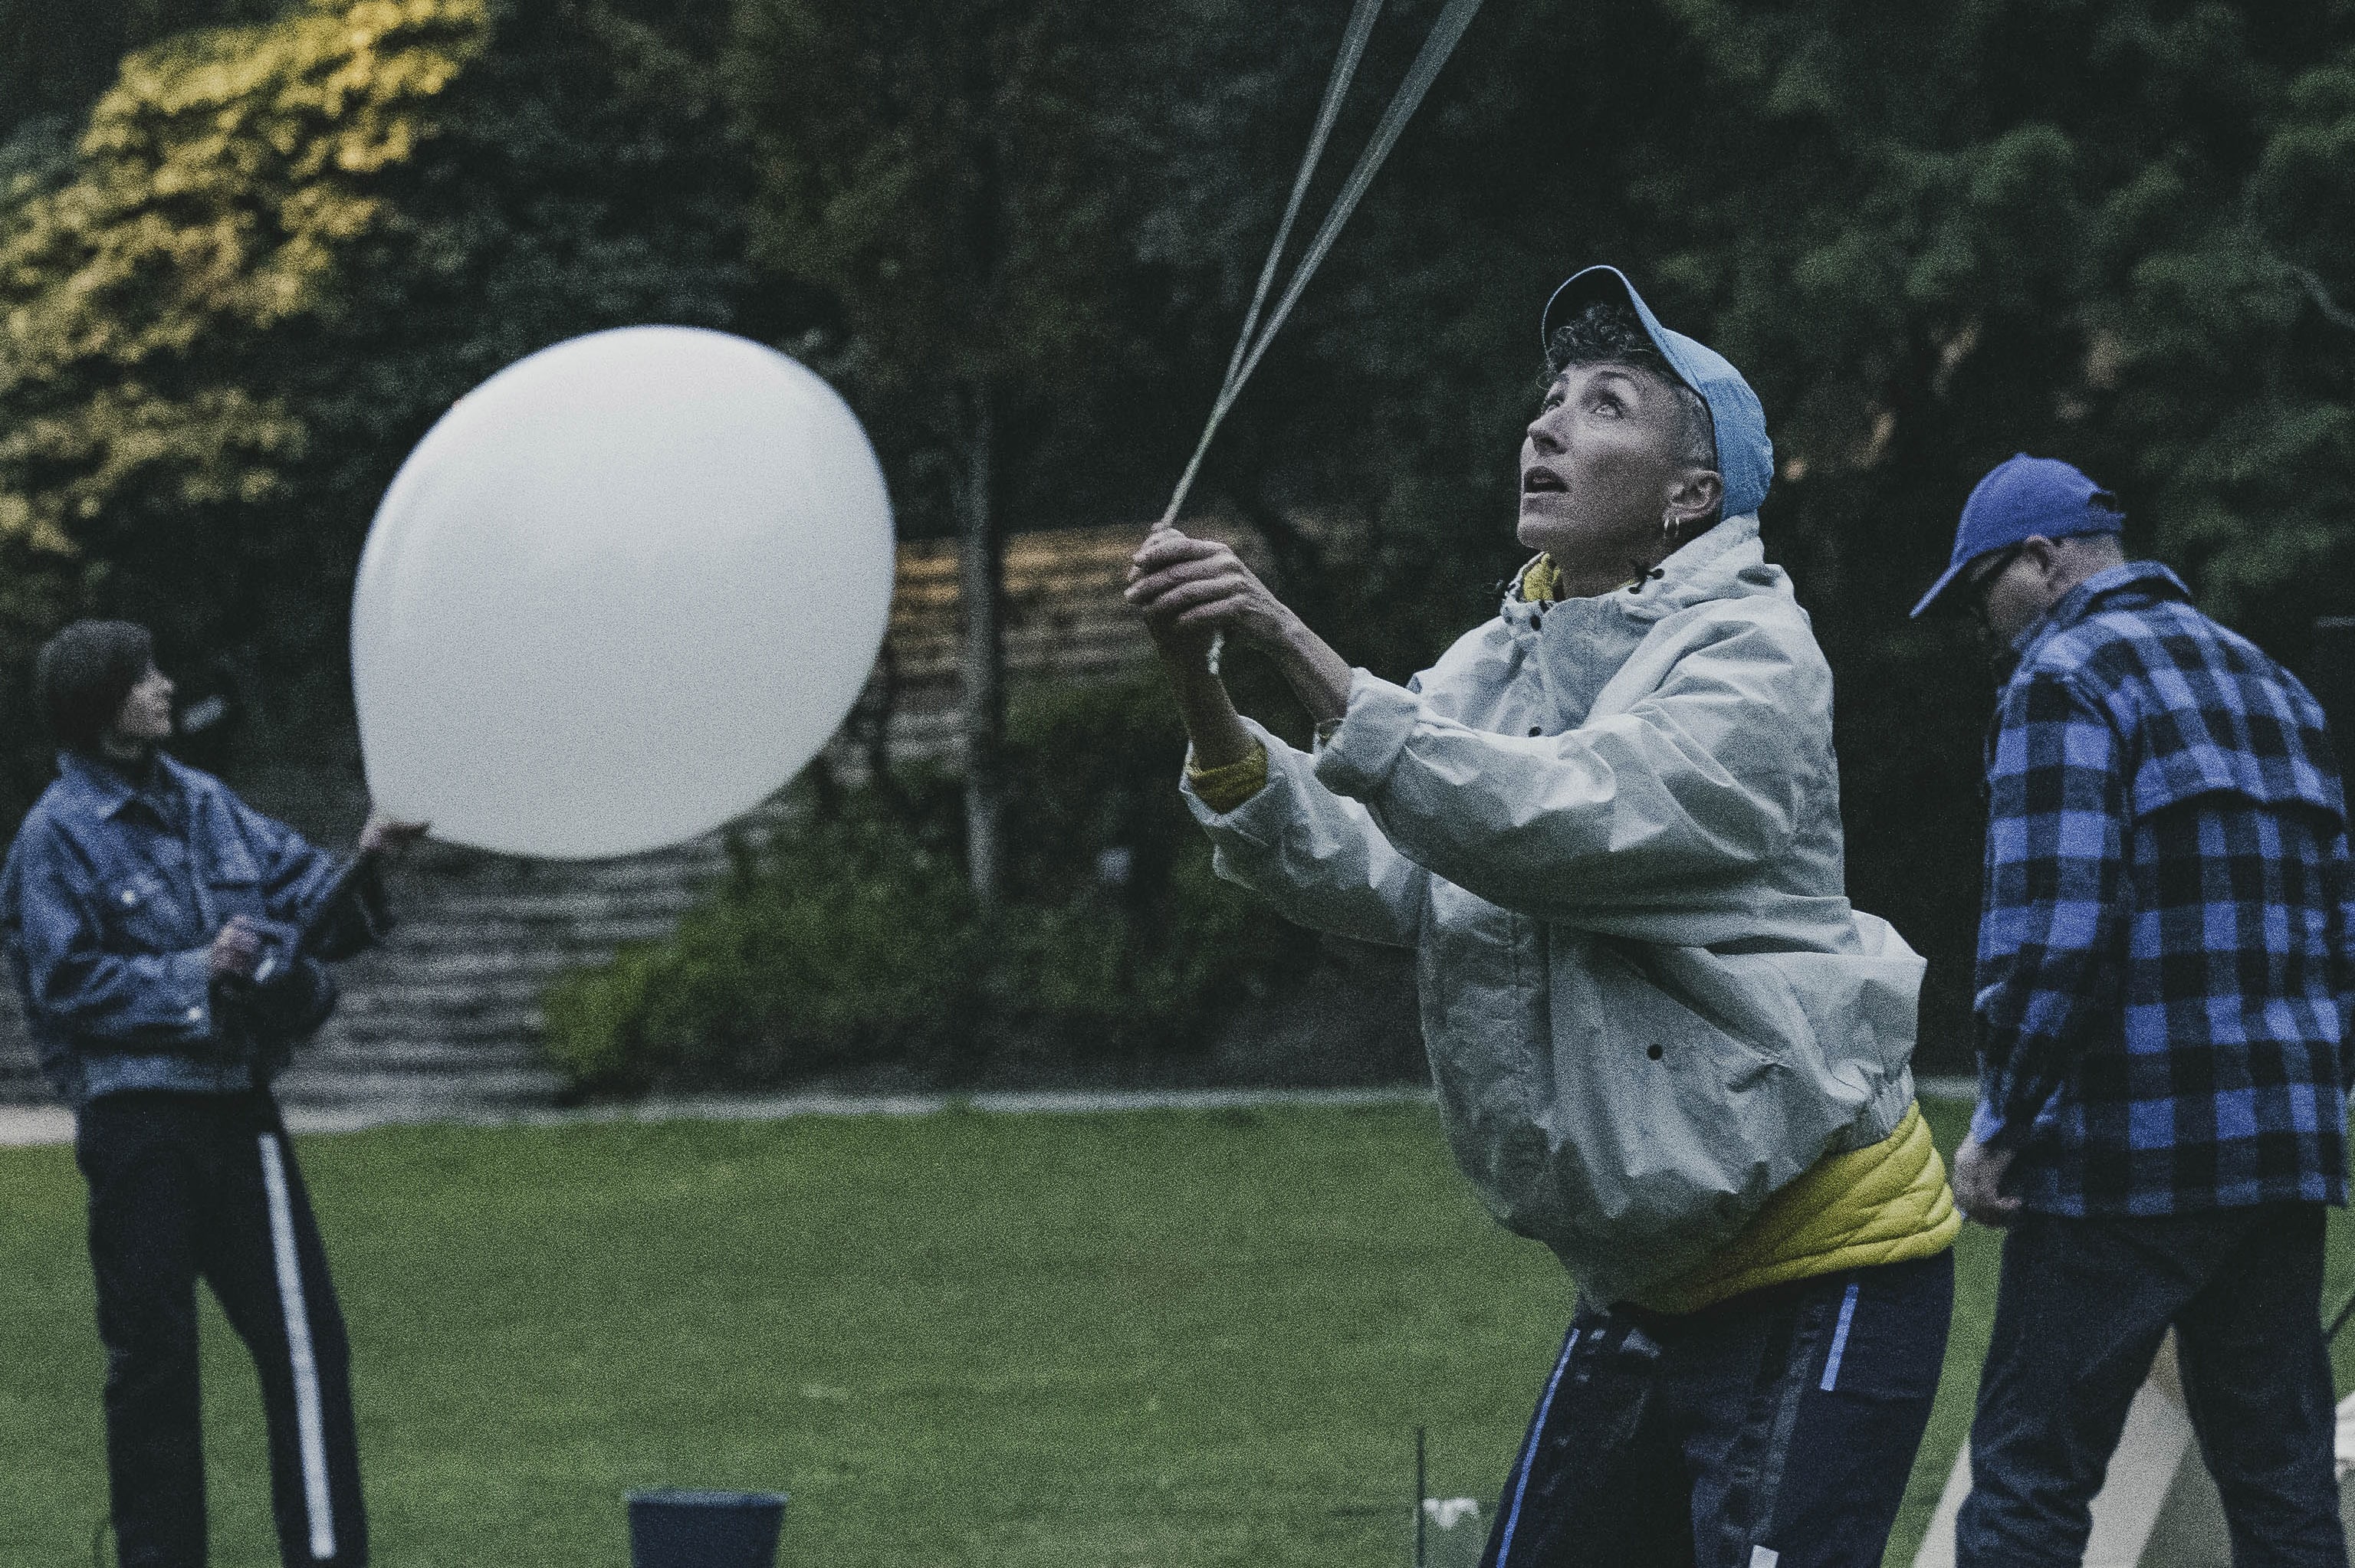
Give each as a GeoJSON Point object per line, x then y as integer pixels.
{"type": "Point", "coordinates": [145, 716]}
{"type": "Point", "coordinates": [1600, 473]}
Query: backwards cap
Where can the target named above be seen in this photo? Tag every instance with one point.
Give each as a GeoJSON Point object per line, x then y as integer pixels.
{"type": "Point", "coordinates": [1745, 458]}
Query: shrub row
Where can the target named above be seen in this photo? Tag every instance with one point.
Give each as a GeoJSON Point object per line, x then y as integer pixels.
{"type": "Point", "coordinates": [850, 936]}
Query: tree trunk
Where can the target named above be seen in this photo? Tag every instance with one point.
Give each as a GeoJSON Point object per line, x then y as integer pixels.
{"type": "Point", "coordinates": [983, 668]}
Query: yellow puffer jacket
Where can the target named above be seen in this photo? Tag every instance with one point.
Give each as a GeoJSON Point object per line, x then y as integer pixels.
{"type": "Point", "coordinates": [1884, 1203]}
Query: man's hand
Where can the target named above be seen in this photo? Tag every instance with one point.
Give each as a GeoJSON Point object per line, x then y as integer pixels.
{"type": "Point", "coordinates": [1978, 1183]}
{"type": "Point", "coordinates": [384, 833]}
{"type": "Point", "coordinates": [235, 948]}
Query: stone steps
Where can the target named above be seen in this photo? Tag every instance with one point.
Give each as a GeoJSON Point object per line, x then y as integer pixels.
{"type": "Point", "coordinates": [418, 1095]}
{"type": "Point", "coordinates": [436, 989]}
{"type": "Point", "coordinates": [446, 1016]}
{"type": "Point", "coordinates": [417, 1051]}
{"type": "Point", "coordinates": [489, 934]}
{"type": "Point", "coordinates": [466, 1032]}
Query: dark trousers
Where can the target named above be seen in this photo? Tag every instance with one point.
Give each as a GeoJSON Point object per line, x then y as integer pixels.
{"type": "Point", "coordinates": [1775, 1430]}
{"type": "Point", "coordinates": [183, 1186]}
{"type": "Point", "coordinates": [2079, 1311]}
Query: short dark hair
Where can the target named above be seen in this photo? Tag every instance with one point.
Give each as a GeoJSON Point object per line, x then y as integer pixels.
{"type": "Point", "coordinates": [1608, 333]}
{"type": "Point", "coordinates": [84, 673]}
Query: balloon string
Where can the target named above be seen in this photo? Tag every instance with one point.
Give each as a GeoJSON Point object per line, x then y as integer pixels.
{"type": "Point", "coordinates": [1251, 346]}
{"type": "Point", "coordinates": [1337, 87]}
{"type": "Point", "coordinates": [1440, 44]}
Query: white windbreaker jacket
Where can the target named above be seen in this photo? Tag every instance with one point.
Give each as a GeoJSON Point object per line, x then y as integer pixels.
{"type": "Point", "coordinates": [1610, 829]}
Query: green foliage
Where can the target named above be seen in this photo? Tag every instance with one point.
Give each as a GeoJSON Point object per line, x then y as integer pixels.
{"type": "Point", "coordinates": [150, 459]}
{"type": "Point", "coordinates": [2116, 231]}
{"type": "Point", "coordinates": [958, 188]}
{"type": "Point", "coordinates": [276, 254]}
{"type": "Point", "coordinates": [2236, 347]}
{"type": "Point", "coordinates": [57, 59]}
{"type": "Point", "coordinates": [1145, 963]}
{"type": "Point", "coordinates": [851, 936]}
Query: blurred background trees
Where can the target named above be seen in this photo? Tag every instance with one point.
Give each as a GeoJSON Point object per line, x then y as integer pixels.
{"type": "Point", "coordinates": [243, 266]}
{"type": "Point", "coordinates": [941, 175]}
{"type": "Point", "coordinates": [273, 254]}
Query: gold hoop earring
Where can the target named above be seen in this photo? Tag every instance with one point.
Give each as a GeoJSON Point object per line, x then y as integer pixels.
{"type": "Point", "coordinates": [1669, 526]}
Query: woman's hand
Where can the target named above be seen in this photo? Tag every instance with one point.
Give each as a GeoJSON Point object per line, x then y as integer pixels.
{"type": "Point", "coordinates": [1192, 589]}
{"type": "Point", "coordinates": [1189, 590]}
{"type": "Point", "coordinates": [385, 832]}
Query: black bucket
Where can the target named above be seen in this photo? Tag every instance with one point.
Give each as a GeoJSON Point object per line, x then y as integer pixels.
{"type": "Point", "coordinates": [705, 1529]}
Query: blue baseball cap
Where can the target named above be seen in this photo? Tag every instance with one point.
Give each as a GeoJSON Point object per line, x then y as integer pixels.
{"type": "Point", "coordinates": [1745, 458]}
{"type": "Point", "coordinates": [2025, 497]}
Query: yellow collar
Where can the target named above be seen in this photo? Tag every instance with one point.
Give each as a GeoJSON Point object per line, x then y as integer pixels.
{"type": "Point", "coordinates": [1541, 581]}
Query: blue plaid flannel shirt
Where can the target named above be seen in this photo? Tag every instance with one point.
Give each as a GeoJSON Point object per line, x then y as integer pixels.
{"type": "Point", "coordinates": [2163, 965]}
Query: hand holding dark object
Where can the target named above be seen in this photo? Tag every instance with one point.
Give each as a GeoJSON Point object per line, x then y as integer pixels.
{"type": "Point", "coordinates": [236, 947]}
{"type": "Point", "coordinates": [289, 1005]}
{"type": "Point", "coordinates": [386, 833]}
{"type": "Point", "coordinates": [1978, 1183]}
{"type": "Point", "coordinates": [281, 994]}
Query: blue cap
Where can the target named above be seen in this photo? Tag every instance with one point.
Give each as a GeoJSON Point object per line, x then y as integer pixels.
{"type": "Point", "coordinates": [1745, 458]}
{"type": "Point", "coordinates": [2026, 497]}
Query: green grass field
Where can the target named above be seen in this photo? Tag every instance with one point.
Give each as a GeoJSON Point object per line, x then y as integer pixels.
{"type": "Point", "coordinates": [1156, 1339]}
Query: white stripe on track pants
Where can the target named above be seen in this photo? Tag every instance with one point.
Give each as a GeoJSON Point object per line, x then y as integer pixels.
{"type": "Point", "coordinates": [186, 1187]}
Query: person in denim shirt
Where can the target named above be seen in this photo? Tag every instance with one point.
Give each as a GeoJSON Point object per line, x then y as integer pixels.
{"type": "Point", "coordinates": [170, 944]}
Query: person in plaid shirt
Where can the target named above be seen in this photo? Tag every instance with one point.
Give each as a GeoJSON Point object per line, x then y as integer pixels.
{"type": "Point", "coordinates": [2162, 1006]}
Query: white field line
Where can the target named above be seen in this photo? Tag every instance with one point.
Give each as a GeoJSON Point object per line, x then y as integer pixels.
{"type": "Point", "coordinates": [23, 1126]}
{"type": "Point", "coordinates": [30, 1125]}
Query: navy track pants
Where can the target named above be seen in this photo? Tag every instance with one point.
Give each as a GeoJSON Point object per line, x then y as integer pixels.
{"type": "Point", "coordinates": [1775, 1430]}
{"type": "Point", "coordinates": [183, 1186]}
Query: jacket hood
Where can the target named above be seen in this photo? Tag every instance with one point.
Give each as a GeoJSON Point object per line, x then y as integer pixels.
{"type": "Point", "coordinates": [1727, 561]}
{"type": "Point", "coordinates": [1577, 646]}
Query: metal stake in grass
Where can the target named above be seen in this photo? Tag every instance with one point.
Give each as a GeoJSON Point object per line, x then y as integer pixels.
{"type": "Point", "coordinates": [1418, 1497]}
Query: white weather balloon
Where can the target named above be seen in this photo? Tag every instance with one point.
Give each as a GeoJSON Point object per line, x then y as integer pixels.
{"type": "Point", "coordinates": [621, 593]}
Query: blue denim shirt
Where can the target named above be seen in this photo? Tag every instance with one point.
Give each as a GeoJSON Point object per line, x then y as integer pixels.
{"type": "Point", "coordinates": [108, 902]}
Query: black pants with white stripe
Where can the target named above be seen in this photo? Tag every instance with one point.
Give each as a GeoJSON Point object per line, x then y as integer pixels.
{"type": "Point", "coordinates": [183, 1186]}
{"type": "Point", "coordinates": [1775, 1430]}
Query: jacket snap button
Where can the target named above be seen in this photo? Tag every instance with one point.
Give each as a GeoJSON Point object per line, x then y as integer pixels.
{"type": "Point", "coordinates": [1653, 1051]}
